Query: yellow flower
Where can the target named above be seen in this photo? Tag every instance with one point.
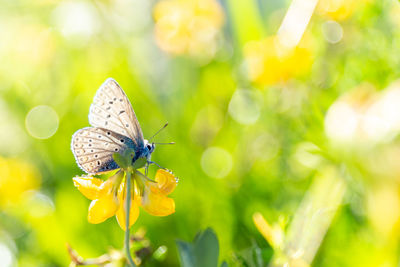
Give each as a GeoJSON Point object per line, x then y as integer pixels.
{"type": "Point", "coordinates": [88, 186]}
{"type": "Point", "coordinates": [188, 27]}
{"type": "Point", "coordinates": [364, 115]}
{"type": "Point", "coordinates": [134, 211]}
{"type": "Point", "coordinates": [269, 62]}
{"type": "Point", "coordinates": [17, 177]}
{"type": "Point", "coordinates": [338, 9]}
{"type": "Point", "coordinates": [108, 197]}
{"type": "Point", "coordinates": [155, 200]}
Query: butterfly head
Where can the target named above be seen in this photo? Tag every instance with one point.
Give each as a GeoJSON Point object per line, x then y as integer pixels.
{"type": "Point", "coordinates": [149, 147]}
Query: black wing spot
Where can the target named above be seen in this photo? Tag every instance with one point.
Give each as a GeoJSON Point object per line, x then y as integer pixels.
{"type": "Point", "coordinates": [96, 156]}
{"type": "Point", "coordinates": [122, 111]}
{"type": "Point", "coordinates": [99, 136]}
{"type": "Point", "coordinates": [108, 108]}
{"type": "Point", "coordinates": [111, 102]}
{"type": "Point", "coordinates": [108, 133]}
{"type": "Point", "coordinates": [98, 162]}
{"type": "Point", "coordinates": [108, 116]}
{"type": "Point", "coordinates": [127, 125]}
{"type": "Point", "coordinates": [120, 100]}
{"type": "Point", "coordinates": [115, 99]}
{"type": "Point", "coordinates": [116, 150]}
{"type": "Point", "coordinates": [90, 144]}
{"type": "Point", "coordinates": [91, 150]}
{"type": "Point", "coordinates": [122, 140]}
{"type": "Point", "coordinates": [90, 140]}
{"type": "Point", "coordinates": [105, 123]}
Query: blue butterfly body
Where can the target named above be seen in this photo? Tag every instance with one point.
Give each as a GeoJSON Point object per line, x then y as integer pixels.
{"type": "Point", "coordinates": [140, 152]}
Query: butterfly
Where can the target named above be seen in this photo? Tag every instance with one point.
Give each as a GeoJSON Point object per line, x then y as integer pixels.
{"type": "Point", "coordinates": [115, 129]}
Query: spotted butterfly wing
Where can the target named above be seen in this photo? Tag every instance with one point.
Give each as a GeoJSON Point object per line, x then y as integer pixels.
{"type": "Point", "coordinates": [112, 110]}
{"type": "Point", "coordinates": [116, 128]}
{"type": "Point", "coordinates": [93, 148]}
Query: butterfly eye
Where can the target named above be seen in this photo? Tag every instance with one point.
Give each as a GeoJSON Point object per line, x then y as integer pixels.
{"type": "Point", "coordinates": [149, 147]}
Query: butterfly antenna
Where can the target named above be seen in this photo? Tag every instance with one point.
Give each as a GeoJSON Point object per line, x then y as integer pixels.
{"type": "Point", "coordinates": [165, 125]}
{"type": "Point", "coordinates": [170, 143]}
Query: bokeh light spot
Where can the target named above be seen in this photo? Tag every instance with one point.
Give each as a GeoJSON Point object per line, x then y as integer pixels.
{"type": "Point", "coordinates": [332, 31]}
{"type": "Point", "coordinates": [365, 115]}
{"type": "Point", "coordinates": [6, 256]}
{"type": "Point", "coordinates": [264, 147]}
{"type": "Point", "coordinates": [42, 122]}
{"type": "Point", "coordinates": [216, 162]}
{"type": "Point", "coordinates": [341, 122]}
{"type": "Point", "coordinates": [244, 106]}
{"type": "Point", "coordinates": [76, 19]}
{"type": "Point", "coordinates": [40, 205]}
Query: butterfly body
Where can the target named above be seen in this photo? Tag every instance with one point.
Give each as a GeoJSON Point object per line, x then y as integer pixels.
{"type": "Point", "coordinates": [115, 129]}
{"type": "Point", "coordinates": [143, 152]}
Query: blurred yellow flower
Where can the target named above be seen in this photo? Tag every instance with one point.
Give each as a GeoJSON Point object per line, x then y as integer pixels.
{"type": "Point", "coordinates": [25, 48]}
{"type": "Point", "coordinates": [365, 115]}
{"type": "Point", "coordinates": [383, 208]}
{"type": "Point", "coordinates": [269, 61]}
{"type": "Point", "coordinates": [17, 177]}
{"type": "Point", "coordinates": [108, 197]}
{"type": "Point", "coordinates": [274, 235]}
{"type": "Point", "coordinates": [188, 27]}
{"type": "Point", "coordinates": [338, 9]}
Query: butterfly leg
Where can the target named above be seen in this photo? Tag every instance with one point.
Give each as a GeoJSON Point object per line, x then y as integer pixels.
{"type": "Point", "coordinates": [152, 162]}
{"type": "Point", "coordinates": [146, 168]}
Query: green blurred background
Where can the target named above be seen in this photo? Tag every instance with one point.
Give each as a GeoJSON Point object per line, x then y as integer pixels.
{"type": "Point", "coordinates": [292, 115]}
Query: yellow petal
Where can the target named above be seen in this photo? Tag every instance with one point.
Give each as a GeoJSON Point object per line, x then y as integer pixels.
{"type": "Point", "coordinates": [156, 203]}
{"type": "Point", "coordinates": [263, 227]}
{"type": "Point", "coordinates": [166, 181]}
{"type": "Point", "coordinates": [133, 214]}
{"type": "Point", "coordinates": [103, 208]}
{"type": "Point", "coordinates": [88, 186]}
{"type": "Point", "coordinates": [121, 212]}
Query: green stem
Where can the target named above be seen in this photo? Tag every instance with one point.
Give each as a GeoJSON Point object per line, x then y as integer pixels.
{"type": "Point", "coordinates": [246, 20]}
{"type": "Point", "coordinates": [128, 208]}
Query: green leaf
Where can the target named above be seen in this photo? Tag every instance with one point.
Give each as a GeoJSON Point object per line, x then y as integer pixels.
{"type": "Point", "coordinates": [203, 252]}
{"type": "Point", "coordinates": [246, 20]}
{"type": "Point", "coordinates": [124, 160]}
{"type": "Point", "coordinates": [139, 163]}
{"type": "Point", "coordinates": [120, 160]}
{"type": "Point", "coordinates": [206, 249]}
{"type": "Point", "coordinates": [224, 264]}
{"type": "Point", "coordinates": [186, 256]}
